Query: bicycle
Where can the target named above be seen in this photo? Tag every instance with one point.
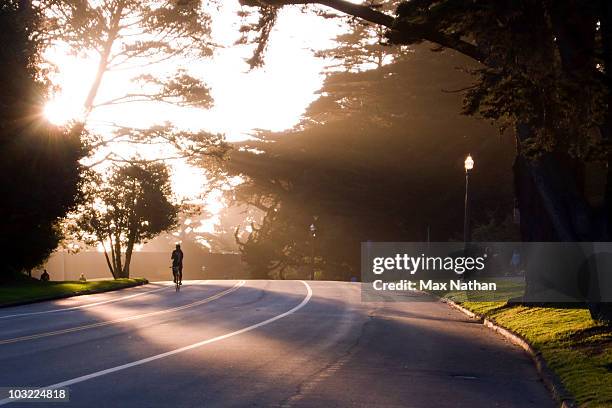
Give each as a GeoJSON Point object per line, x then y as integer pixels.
{"type": "Point", "coordinates": [178, 278]}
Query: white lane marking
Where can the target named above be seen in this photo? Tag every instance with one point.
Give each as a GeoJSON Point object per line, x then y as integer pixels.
{"type": "Point", "coordinates": [123, 319]}
{"type": "Point", "coordinates": [65, 309]}
{"type": "Point", "coordinates": [175, 351]}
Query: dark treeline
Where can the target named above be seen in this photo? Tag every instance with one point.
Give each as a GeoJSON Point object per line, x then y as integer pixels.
{"type": "Point", "coordinates": [544, 72]}
{"type": "Point", "coordinates": [39, 169]}
{"type": "Point", "coordinates": [380, 158]}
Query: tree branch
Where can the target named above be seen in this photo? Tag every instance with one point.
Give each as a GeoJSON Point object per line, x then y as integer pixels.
{"type": "Point", "coordinates": [357, 10]}
{"type": "Point", "coordinates": [401, 32]}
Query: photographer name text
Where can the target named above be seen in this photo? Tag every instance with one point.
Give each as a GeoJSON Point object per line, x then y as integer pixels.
{"type": "Point", "coordinates": [431, 285]}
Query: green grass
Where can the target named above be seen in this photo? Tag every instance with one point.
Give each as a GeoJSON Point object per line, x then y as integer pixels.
{"type": "Point", "coordinates": [35, 290]}
{"type": "Point", "coordinates": [575, 347]}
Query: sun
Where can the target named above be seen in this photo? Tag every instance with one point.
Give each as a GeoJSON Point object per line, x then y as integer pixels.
{"type": "Point", "coordinates": [56, 113]}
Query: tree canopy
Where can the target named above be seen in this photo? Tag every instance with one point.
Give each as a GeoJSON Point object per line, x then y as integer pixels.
{"type": "Point", "coordinates": [137, 37]}
{"type": "Point", "coordinates": [545, 70]}
{"type": "Point", "coordinates": [128, 206]}
{"type": "Point", "coordinates": [39, 163]}
{"type": "Point", "coordinates": [373, 161]}
{"type": "Point", "coordinates": [557, 84]}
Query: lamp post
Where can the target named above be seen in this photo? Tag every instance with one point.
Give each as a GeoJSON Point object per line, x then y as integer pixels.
{"type": "Point", "coordinates": [313, 234]}
{"type": "Point", "coordinates": [469, 165]}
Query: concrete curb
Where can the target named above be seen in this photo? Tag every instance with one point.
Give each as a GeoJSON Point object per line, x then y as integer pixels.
{"type": "Point", "coordinates": [550, 379]}
{"type": "Point", "coordinates": [68, 295]}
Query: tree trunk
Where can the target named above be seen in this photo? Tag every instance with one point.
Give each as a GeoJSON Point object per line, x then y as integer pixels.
{"type": "Point", "coordinates": [603, 311]}
{"type": "Point", "coordinates": [281, 273]}
{"type": "Point", "coordinates": [104, 58]}
{"type": "Point", "coordinates": [606, 130]}
{"type": "Point", "coordinates": [552, 210]}
{"type": "Point", "coordinates": [108, 263]}
{"type": "Point", "coordinates": [117, 261]}
{"type": "Point", "coordinates": [126, 265]}
{"type": "Point", "coordinates": [128, 257]}
{"type": "Point", "coordinates": [559, 180]}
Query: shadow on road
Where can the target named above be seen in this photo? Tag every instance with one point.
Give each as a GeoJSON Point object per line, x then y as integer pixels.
{"type": "Point", "coordinates": [333, 351]}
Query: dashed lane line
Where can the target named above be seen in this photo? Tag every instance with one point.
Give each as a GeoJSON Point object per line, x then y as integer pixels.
{"type": "Point", "coordinates": [175, 351]}
{"type": "Point", "coordinates": [66, 309]}
{"type": "Point", "coordinates": [123, 319]}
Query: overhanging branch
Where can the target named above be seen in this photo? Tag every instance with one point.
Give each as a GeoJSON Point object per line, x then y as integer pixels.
{"type": "Point", "coordinates": [356, 10]}
{"type": "Point", "coordinates": [401, 32]}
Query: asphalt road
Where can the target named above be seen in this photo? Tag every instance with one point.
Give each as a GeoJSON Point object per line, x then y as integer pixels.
{"type": "Point", "coordinates": [260, 344]}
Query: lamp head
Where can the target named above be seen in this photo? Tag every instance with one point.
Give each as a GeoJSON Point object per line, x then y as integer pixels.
{"type": "Point", "coordinates": [469, 163]}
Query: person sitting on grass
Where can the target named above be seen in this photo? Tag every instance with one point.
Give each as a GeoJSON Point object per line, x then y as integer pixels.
{"type": "Point", "coordinates": [82, 278]}
{"type": "Point", "coordinates": [44, 277]}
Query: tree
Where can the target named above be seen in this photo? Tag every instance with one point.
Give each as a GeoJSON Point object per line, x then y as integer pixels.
{"type": "Point", "coordinates": [127, 207]}
{"type": "Point", "coordinates": [154, 42]}
{"type": "Point", "coordinates": [39, 163]}
{"type": "Point", "coordinates": [373, 162]}
{"type": "Point", "coordinates": [365, 45]}
{"type": "Point", "coordinates": [137, 36]}
{"type": "Point", "coordinates": [546, 70]}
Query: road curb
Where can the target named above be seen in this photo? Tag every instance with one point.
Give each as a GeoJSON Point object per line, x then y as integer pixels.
{"type": "Point", "coordinates": [68, 295]}
{"type": "Point", "coordinates": [550, 379]}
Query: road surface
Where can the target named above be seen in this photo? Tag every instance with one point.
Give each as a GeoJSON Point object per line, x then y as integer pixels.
{"type": "Point", "coordinates": [260, 344]}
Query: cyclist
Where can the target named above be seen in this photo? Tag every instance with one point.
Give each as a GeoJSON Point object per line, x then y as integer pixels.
{"type": "Point", "coordinates": [177, 264]}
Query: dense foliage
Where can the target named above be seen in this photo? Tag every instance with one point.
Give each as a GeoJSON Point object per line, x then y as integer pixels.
{"type": "Point", "coordinates": [39, 163]}
{"type": "Point", "coordinates": [373, 161]}
{"type": "Point", "coordinates": [545, 72]}
{"type": "Point", "coordinates": [125, 207]}
{"type": "Point", "coordinates": [544, 64]}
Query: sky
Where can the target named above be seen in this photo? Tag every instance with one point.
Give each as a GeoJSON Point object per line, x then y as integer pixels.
{"type": "Point", "coordinates": [272, 97]}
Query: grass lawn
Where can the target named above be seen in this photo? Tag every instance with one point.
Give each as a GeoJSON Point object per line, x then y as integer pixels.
{"type": "Point", "coordinates": [32, 290]}
{"type": "Point", "coordinates": [575, 347]}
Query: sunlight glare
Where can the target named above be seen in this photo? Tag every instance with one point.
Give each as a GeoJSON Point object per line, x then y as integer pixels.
{"type": "Point", "coordinates": [273, 97]}
{"type": "Point", "coordinates": [55, 113]}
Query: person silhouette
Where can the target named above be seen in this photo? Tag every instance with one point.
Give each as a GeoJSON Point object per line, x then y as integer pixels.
{"type": "Point", "coordinates": [177, 264]}
{"type": "Point", "coordinates": [44, 277]}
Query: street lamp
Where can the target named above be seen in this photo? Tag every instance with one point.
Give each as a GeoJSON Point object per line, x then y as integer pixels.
{"type": "Point", "coordinates": [313, 234]}
{"type": "Point", "coordinates": [469, 165]}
